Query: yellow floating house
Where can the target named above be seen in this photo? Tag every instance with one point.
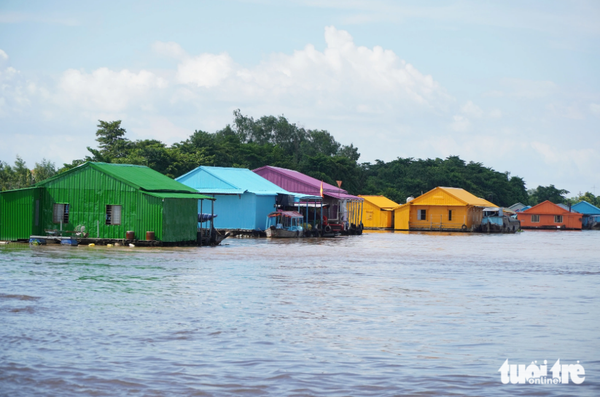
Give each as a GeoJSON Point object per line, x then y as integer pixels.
{"type": "Point", "coordinates": [442, 208]}
{"type": "Point", "coordinates": [378, 212]}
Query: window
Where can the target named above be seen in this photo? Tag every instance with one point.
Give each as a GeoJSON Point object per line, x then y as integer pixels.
{"type": "Point", "coordinates": [449, 215]}
{"type": "Point", "coordinates": [113, 214]}
{"type": "Point", "coordinates": [557, 218]}
{"type": "Point", "coordinates": [535, 218]}
{"type": "Point", "coordinates": [422, 215]}
{"type": "Point", "coordinates": [60, 213]}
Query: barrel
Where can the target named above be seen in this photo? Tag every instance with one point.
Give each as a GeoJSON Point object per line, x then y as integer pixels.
{"type": "Point", "coordinates": [149, 236]}
{"type": "Point", "coordinates": [130, 235]}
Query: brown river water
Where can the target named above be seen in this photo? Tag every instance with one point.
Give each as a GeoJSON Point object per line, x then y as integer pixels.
{"type": "Point", "coordinates": [382, 314]}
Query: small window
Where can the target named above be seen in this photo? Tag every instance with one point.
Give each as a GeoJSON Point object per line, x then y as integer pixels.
{"type": "Point", "coordinates": [449, 215]}
{"type": "Point", "coordinates": [60, 213]}
{"type": "Point", "coordinates": [535, 218]}
{"type": "Point", "coordinates": [113, 214]}
{"type": "Point", "coordinates": [422, 215]}
{"type": "Point", "coordinates": [557, 218]}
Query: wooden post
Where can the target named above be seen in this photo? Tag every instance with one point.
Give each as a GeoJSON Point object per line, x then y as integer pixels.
{"type": "Point", "coordinates": [212, 218]}
{"type": "Point", "coordinates": [201, 223]}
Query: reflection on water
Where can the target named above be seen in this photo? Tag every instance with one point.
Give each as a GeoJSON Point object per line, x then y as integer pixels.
{"type": "Point", "coordinates": [380, 314]}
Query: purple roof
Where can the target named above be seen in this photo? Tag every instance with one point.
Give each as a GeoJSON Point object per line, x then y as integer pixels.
{"type": "Point", "coordinates": [297, 182]}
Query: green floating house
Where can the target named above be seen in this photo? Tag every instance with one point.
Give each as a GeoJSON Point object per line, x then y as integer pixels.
{"type": "Point", "coordinates": [106, 201]}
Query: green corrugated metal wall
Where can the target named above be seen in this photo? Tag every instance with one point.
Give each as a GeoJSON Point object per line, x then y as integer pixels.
{"type": "Point", "coordinates": [88, 191]}
{"type": "Point", "coordinates": [20, 214]}
{"type": "Point", "coordinates": [180, 219]}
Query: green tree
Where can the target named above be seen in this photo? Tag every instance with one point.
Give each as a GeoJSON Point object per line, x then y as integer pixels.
{"type": "Point", "coordinates": [15, 177]}
{"type": "Point", "coordinates": [551, 193]}
{"type": "Point", "coordinates": [5, 176]}
{"type": "Point", "coordinates": [587, 196]}
{"type": "Point", "coordinates": [43, 170]}
{"type": "Point", "coordinates": [111, 141]}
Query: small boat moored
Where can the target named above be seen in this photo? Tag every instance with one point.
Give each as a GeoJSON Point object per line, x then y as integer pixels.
{"type": "Point", "coordinates": [284, 224]}
{"type": "Point", "coordinates": [499, 220]}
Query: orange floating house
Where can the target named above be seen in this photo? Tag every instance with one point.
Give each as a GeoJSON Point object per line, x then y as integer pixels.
{"type": "Point", "coordinates": [547, 215]}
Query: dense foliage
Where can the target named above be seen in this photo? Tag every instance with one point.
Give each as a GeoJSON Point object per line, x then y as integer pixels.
{"type": "Point", "coordinates": [269, 140]}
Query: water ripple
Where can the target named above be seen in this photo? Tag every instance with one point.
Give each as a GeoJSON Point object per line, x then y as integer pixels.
{"type": "Point", "coordinates": [384, 314]}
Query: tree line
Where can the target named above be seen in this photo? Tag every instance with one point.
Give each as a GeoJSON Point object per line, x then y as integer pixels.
{"type": "Point", "coordinates": [273, 140]}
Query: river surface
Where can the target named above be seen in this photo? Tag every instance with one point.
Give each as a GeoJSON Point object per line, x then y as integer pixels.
{"type": "Point", "coordinates": [382, 314]}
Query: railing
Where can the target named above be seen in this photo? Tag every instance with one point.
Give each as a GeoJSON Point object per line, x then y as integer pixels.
{"type": "Point", "coordinates": [444, 225]}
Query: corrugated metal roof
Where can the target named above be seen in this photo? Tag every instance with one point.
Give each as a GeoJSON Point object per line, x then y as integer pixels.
{"type": "Point", "coordinates": [137, 176]}
{"type": "Point", "coordinates": [300, 183]}
{"type": "Point", "coordinates": [583, 207]}
{"type": "Point", "coordinates": [380, 201]}
{"type": "Point", "coordinates": [467, 197]}
{"type": "Point", "coordinates": [194, 195]}
{"type": "Point", "coordinates": [143, 177]}
{"type": "Point", "coordinates": [546, 207]}
{"type": "Point", "coordinates": [517, 206]}
{"type": "Point", "coordinates": [289, 214]}
{"type": "Point", "coordinates": [226, 180]}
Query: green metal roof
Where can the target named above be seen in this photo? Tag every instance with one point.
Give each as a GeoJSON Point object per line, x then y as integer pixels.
{"type": "Point", "coordinates": [197, 196]}
{"type": "Point", "coordinates": [136, 176]}
{"type": "Point", "coordinates": [142, 177]}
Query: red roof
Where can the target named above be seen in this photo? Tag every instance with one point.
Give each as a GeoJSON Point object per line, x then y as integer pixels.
{"type": "Point", "coordinates": [289, 214]}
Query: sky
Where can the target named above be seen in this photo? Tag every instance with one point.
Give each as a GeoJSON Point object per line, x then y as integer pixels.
{"type": "Point", "coordinates": [513, 85]}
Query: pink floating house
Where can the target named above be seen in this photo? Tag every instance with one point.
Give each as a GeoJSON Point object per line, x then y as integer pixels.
{"type": "Point", "coordinates": [342, 212]}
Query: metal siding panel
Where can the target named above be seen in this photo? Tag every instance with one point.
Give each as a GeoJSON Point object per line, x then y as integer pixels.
{"type": "Point", "coordinates": [88, 191]}
{"type": "Point", "coordinates": [149, 217]}
{"type": "Point", "coordinates": [402, 217]}
{"type": "Point", "coordinates": [369, 214]}
{"type": "Point", "coordinates": [437, 197]}
{"type": "Point", "coordinates": [234, 212]}
{"type": "Point", "coordinates": [264, 206]}
{"type": "Point", "coordinates": [17, 214]}
{"type": "Point", "coordinates": [180, 222]}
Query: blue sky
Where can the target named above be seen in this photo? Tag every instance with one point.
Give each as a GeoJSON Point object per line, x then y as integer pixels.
{"type": "Point", "coordinates": [512, 84]}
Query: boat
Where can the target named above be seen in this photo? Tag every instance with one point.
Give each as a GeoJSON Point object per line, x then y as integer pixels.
{"type": "Point", "coordinates": [209, 235]}
{"type": "Point", "coordinates": [499, 220]}
{"type": "Point", "coordinates": [284, 224]}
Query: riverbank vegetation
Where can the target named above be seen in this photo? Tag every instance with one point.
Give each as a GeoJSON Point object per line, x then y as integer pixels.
{"type": "Point", "coordinates": [273, 140]}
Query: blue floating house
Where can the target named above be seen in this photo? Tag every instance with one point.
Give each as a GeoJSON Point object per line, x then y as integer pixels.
{"type": "Point", "coordinates": [590, 214]}
{"type": "Point", "coordinates": [244, 198]}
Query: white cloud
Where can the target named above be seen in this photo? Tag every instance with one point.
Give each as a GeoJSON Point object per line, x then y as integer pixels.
{"type": "Point", "coordinates": [170, 49]}
{"type": "Point", "coordinates": [205, 70]}
{"type": "Point", "coordinates": [524, 89]}
{"type": "Point", "coordinates": [460, 123]}
{"type": "Point", "coordinates": [158, 128]}
{"type": "Point", "coordinates": [496, 113]}
{"type": "Point", "coordinates": [472, 110]}
{"type": "Point", "coordinates": [570, 112]}
{"type": "Point", "coordinates": [107, 90]}
{"type": "Point", "coordinates": [3, 56]}
{"type": "Point", "coordinates": [595, 108]}
{"type": "Point", "coordinates": [343, 75]}
{"type": "Point", "coordinates": [15, 92]}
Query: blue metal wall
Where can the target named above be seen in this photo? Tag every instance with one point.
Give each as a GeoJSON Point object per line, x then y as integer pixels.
{"type": "Point", "coordinates": [246, 211]}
